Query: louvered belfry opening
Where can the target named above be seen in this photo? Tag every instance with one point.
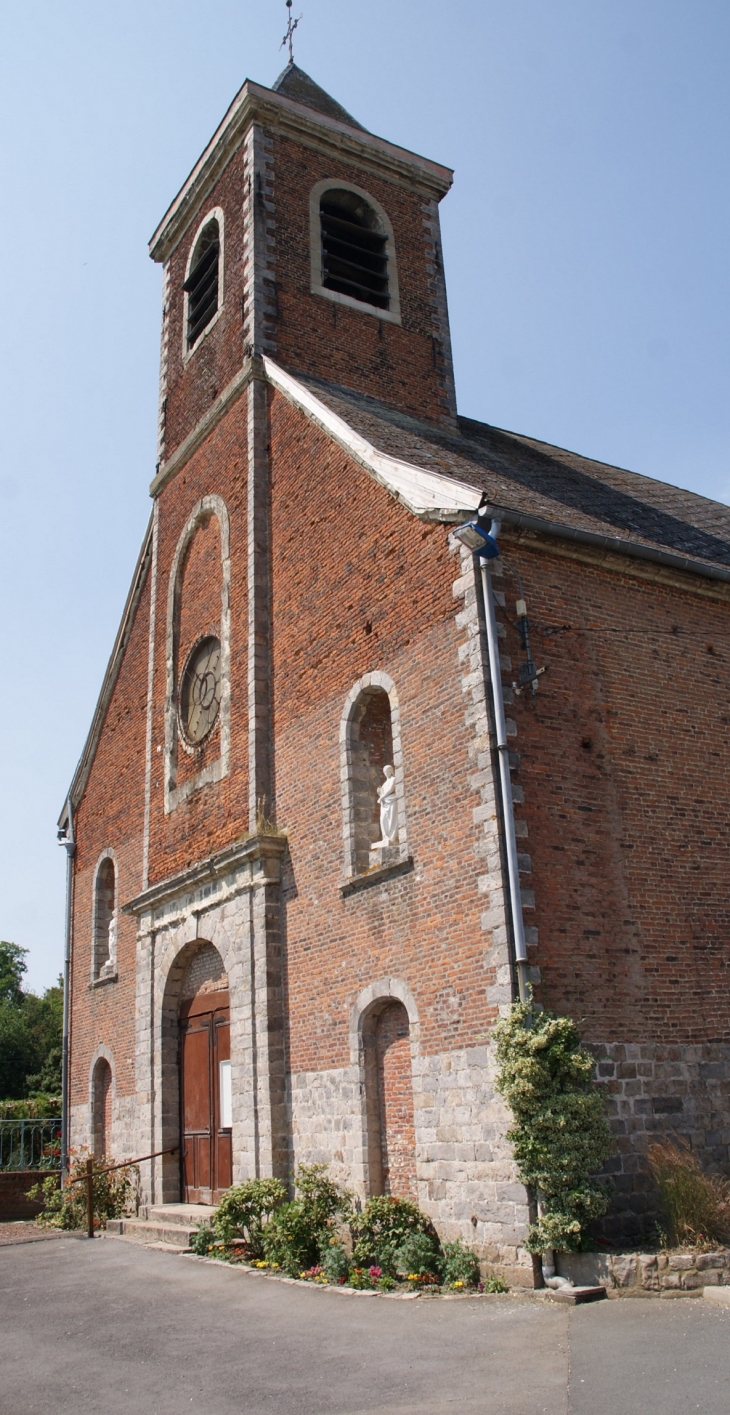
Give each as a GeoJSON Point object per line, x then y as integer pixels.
{"type": "Point", "coordinates": [354, 249]}
{"type": "Point", "coordinates": [202, 282]}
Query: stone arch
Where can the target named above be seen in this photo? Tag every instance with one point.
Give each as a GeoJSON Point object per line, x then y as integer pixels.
{"type": "Point", "coordinates": [369, 725]}
{"type": "Point", "coordinates": [208, 506]}
{"type": "Point", "coordinates": [393, 313]}
{"type": "Point", "coordinates": [105, 905]}
{"type": "Point", "coordinates": [101, 1102]}
{"type": "Point", "coordinates": [178, 977]}
{"type": "Point", "coordinates": [384, 1033]}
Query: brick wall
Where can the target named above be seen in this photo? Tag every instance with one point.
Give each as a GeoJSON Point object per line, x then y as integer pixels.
{"type": "Point", "coordinates": [396, 613]}
{"type": "Point", "coordinates": [403, 365]}
{"type": "Point", "coordinates": [624, 824]}
{"type": "Point", "coordinates": [217, 814]}
{"type": "Point", "coordinates": [193, 384]}
{"type": "Point", "coordinates": [110, 815]}
{"type": "Point", "coordinates": [395, 1101]}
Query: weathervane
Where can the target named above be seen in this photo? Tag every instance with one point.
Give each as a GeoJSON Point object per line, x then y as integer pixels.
{"type": "Point", "coordinates": [289, 36]}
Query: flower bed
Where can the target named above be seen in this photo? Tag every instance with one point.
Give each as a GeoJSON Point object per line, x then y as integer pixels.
{"type": "Point", "coordinates": [322, 1238]}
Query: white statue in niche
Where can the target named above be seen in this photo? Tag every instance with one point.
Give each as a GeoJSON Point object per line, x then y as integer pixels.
{"type": "Point", "coordinates": [388, 811]}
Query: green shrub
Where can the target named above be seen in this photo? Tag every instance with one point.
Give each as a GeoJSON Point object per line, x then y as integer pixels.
{"type": "Point", "coordinates": [244, 1211]}
{"type": "Point", "coordinates": [202, 1240]}
{"type": "Point", "coordinates": [335, 1262]}
{"type": "Point", "coordinates": [320, 1196]}
{"type": "Point", "coordinates": [114, 1195]}
{"type": "Point", "coordinates": [299, 1233]}
{"type": "Point", "coordinates": [290, 1239]}
{"type": "Point", "coordinates": [383, 1227]}
{"type": "Point", "coordinates": [560, 1132]}
{"type": "Point", "coordinates": [39, 1108]}
{"type": "Point", "coordinates": [418, 1256]}
{"type": "Point", "coordinates": [696, 1206]}
{"type": "Point", "coordinates": [494, 1283]}
{"type": "Point", "coordinates": [460, 1265]}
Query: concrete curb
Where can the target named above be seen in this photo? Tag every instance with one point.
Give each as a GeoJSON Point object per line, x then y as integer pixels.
{"type": "Point", "coordinates": [719, 1295]}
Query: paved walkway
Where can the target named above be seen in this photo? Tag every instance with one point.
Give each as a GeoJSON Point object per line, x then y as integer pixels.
{"type": "Point", "coordinates": [106, 1327]}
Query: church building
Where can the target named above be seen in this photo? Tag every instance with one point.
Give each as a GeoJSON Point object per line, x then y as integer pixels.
{"type": "Point", "coordinates": [405, 713]}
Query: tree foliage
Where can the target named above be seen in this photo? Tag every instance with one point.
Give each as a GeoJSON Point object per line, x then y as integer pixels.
{"type": "Point", "coordinates": [560, 1133]}
{"type": "Point", "coordinates": [30, 1031]}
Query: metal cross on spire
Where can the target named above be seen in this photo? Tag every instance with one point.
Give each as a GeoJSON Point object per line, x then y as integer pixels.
{"type": "Point", "coordinates": [289, 36]}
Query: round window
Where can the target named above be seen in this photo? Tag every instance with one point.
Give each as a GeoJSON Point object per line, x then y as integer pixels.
{"type": "Point", "coordinates": [200, 690]}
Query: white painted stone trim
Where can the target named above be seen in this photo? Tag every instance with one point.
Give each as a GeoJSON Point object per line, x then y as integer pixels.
{"type": "Point", "coordinates": [398, 991]}
{"type": "Point", "coordinates": [369, 680]}
{"type": "Point", "coordinates": [425, 493]}
{"type": "Point", "coordinates": [215, 214]}
{"type": "Point", "coordinates": [392, 314]}
{"type": "Point", "coordinates": [174, 794]}
{"type": "Point", "coordinates": [109, 968]}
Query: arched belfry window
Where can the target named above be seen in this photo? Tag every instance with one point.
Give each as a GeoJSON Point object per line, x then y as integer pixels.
{"type": "Point", "coordinates": [353, 250]}
{"type": "Point", "coordinates": [203, 282]}
{"type": "Point", "coordinates": [104, 950]}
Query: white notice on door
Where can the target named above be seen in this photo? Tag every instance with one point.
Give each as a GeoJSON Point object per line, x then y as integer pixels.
{"type": "Point", "coordinates": [226, 1095]}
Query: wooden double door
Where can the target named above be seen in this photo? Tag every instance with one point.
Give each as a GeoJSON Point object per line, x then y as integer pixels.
{"type": "Point", "coordinates": [205, 1098]}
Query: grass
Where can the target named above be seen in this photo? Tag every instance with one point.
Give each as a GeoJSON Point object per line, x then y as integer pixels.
{"type": "Point", "coordinates": [696, 1205]}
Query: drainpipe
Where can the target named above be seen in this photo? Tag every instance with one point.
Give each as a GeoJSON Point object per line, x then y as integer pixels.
{"type": "Point", "coordinates": [66, 838]}
{"type": "Point", "coordinates": [508, 820]}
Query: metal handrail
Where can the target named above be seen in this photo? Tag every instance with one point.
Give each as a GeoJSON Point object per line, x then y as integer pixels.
{"type": "Point", "coordinates": [91, 1174]}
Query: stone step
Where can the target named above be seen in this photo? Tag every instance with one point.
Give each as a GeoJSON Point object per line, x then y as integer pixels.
{"type": "Point", "coordinates": [141, 1230]}
{"type": "Point", "coordinates": [188, 1215]}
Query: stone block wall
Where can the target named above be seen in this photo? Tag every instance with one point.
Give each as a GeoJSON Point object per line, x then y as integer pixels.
{"type": "Point", "coordinates": [653, 1092]}
{"type": "Point", "coordinates": [648, 1274]}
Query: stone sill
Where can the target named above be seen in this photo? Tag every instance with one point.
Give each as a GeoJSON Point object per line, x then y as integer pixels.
{"type": "Point", "coordinates": [101, 982]}
{"type": "Point", "coordinates": [376, 876]}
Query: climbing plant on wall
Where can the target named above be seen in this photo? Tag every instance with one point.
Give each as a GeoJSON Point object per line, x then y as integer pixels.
{"type": "Point", "coordinates": [560, 1133]}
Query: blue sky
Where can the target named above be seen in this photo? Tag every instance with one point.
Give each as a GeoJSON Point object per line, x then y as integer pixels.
{"type": "Point", "coordinates": [586, 256]}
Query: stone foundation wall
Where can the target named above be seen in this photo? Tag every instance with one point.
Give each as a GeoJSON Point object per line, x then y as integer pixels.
{"type": "Point", "coordinates": [465, 1173]}
{"type": "Point", "coordinates": [655, 1092]}
{"type": "Point", "coordinates": [648, 1274]}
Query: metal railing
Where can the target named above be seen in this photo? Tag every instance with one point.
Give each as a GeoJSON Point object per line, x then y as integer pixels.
{"type": "Point", "coordinates": [30, 1144]}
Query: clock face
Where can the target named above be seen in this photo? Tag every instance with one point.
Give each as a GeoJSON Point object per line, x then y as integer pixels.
{"type": "Point", "coordinates": [200, 690]}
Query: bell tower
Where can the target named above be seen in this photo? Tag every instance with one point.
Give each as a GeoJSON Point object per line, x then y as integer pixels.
{"type": "Point", "coordinates": [328, 260]}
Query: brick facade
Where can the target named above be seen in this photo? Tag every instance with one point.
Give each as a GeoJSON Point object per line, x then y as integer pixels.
{"type": "Point", "coordinates": [364, 984]}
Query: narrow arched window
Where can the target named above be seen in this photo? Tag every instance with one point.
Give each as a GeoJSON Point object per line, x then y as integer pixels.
{"type": "Point", "coordinates": [105, 919]}
{"type": "Point", "coordinates": [202, 283]}
{"type": "Point", "coordinates": [354, 248]}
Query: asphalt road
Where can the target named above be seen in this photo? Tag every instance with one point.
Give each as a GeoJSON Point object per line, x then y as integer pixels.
{"type": "Point", "coordinates": [107, 1327]}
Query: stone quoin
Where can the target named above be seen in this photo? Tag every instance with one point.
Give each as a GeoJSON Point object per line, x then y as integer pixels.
{"type": "Point", "coordinates": [301, 616]}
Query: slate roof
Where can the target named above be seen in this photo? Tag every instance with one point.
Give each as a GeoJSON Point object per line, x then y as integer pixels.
{"type": "Point", "coordinates": [523, 475]}
{"type": "Point", "coordinates": [298, 86]}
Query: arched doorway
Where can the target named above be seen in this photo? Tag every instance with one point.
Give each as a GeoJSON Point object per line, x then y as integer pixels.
{"type": "Point", "coordinates": [389, 1097]}
{"type": "Point", "coordinates": [205, 1078]}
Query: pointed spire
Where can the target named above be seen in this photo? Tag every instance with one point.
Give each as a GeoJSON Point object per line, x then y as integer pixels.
{"type": "Point", "coordinates": [295, 84]}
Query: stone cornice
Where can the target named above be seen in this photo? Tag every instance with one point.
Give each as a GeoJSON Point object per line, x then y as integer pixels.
{"type": "Point", "coordinates": [263, 848]}
{"type": "Point", "coordinates": [254, 103]}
